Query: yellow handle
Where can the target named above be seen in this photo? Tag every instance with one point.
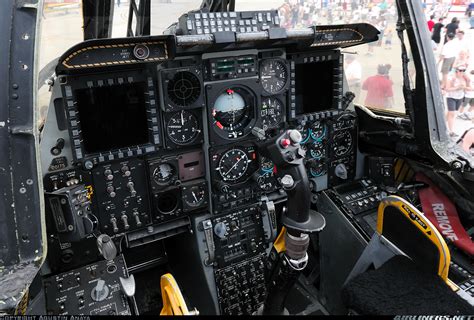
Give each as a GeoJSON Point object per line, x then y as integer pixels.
{"type": "Point", "coordinates": [173, 301]}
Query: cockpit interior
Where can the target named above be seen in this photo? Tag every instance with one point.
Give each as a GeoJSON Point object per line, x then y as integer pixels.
{"type": "Point", "coordinates": [224, 168]}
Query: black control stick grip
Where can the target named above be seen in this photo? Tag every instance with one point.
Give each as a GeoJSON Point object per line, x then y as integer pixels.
{"type": "Point", "coordinates": [286, 153]}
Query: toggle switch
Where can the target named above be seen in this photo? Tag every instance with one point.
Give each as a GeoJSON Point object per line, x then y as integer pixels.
{"type": "Point", "coordinates": [131, 187]}
{"type": "Point", "coordinates": [125, 222]}
{"type": "Point", "coordinates": [111, 191]}
{"type": "Point", "coordinates": [126, 171]}
{"type": "Point", "coordinates": [137, 218]}
{"type": "Point", "coordinates": [109, 175]}
{"type": "Point", "coordinates": [113, 221]}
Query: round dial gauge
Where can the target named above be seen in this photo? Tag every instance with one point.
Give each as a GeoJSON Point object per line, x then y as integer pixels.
{"type": "Point", "coordinates": [317, 150]}
{"type": "Point", "coordinates": [271, 112]}
{"type": "Point", "coordinates": [318, 131]}
{"type": "Point", "coordinates": [182, 127]}
{"type": "Point", "coordinates": [266, 174]}
{"type": "Point", "coordinates": [233, 165]}
{"type": "Point", "coordinates": [194, 196]}
{"type": "Point", "coordinates": [233, 111]}
{"type": "Point", "coordinates": [317, 170]}
{"type": "Point", "coordinates": [342, 143]}
{"type": "Point", "coordinates": [273, 75]}
{"type": "Point", "coordinates": [163, 173]}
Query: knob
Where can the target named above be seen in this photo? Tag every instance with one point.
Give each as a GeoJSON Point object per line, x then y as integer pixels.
{"type": "Point", "coordinates": [111, 191]}
{"type": "Point", "coordinates": [88, 165]}
{"type": "Point", "coordinates": [287, 181]}
{"type": "Point", "coordinates": [253, 246]}
{"type": "Point", "coordinates": [137, 218]}
{"type": "Point", "coordinates": [220, 230]}
{"type": "Point", "coordinates": [141, 51]}
{"type": "Point", "coordinates": [113, 221]}
{"type": "Point", "coordinates": [341, 171]}
{"type": "Point", "coordinates": [125, 222]}
{"type": "Point", "coordinates": [58, 147]}
{"type": "Point", "coordinates": [100, 291]}
{"type": "Point", "coordinates": [224, 188]}
{"type": "Point", "coordinates": [126, 171]}
{"type": "Point", "coordinates": [106, 246]}
{"type": "Point", "coordinates": [109, 175]}
{"type": "Point", "coordinates": [131, 187]}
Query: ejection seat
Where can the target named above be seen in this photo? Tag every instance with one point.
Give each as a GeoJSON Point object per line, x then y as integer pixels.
{"type": "Point", "coordinates": [411, 264]}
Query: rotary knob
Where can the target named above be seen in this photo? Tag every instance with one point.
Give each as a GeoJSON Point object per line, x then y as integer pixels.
{"type": "Point", "coordinates": [220, 230]}
{"type": "Point", "coordinates": [100, 291]}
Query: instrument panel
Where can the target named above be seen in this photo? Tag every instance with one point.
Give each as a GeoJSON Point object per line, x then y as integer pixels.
{"type": "Point", "coordinates": [168, 139]}
{"type": "Point", "coordinates": [157, 145]}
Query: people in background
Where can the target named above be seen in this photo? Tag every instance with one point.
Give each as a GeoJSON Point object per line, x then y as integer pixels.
{"type": "Point", "coordinates": [447, 58]}
{"type": "Point", "coordinates": [379, 88]}
{"type": "Point", "coordinates": [462, 60]}
{"type": "Point", "coordinates": [467, 140]}
{"type": "Point", "coordinates": [455, 87]}
{"type": "Point", "coordinates": [451, 28]}
{"type": "Point", "coordinates": [436, 33]}
{"type": "Point", "coordinates": [462, 43]}
{"type": "Point", "coordinates": [468, 101]}
{"type": "Point", "coordinates": [470, 9]}
{"type": "Point", "coordinates": [353, 72]}
{"type": "Point", "coordinates": [431, 23]}
{"type": "Point", "coordinates": [388, 38]}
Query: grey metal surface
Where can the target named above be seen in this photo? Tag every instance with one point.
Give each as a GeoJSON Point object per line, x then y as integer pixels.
{"type": "Point", "coordinates": [340, 246]}
{"type": "Point", "coordinates": [22, 238]}
{"type": "Point", "coordinates": [51, 133]}
{"type": "Point", "coordinates": [197, 285]}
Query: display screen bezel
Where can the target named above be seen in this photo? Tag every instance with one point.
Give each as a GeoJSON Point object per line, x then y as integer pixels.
{"type": "Point", "coordinates": [71, 84]}
{"type": "Point", "coordinates": [337, 78]}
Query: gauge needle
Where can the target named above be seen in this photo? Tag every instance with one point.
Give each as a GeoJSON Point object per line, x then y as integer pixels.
{"type": "Point", "coordinates": [233, 166]}
{"type": "Point", "coordinates": [182, 118]}
{"type": "Point", "coordinates": [195, 198]}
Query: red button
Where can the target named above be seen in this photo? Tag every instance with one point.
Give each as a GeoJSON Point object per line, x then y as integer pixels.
{"type": "Point", "coordinates": [285, 143]}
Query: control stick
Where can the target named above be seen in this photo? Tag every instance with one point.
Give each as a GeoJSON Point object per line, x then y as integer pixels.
{"type": "Point", "coordinates": [299, 220]}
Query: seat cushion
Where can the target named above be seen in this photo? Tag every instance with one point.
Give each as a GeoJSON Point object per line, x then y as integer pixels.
{"type": "Point", "coordinates": [399, 287]}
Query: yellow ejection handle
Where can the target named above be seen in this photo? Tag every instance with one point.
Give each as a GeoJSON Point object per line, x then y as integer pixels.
{"type": "Point", "coordinates": [173, 301]}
